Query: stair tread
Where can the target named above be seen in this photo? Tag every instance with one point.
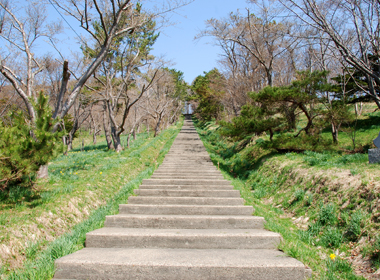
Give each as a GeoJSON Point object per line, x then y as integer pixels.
{"type": "Point", "coordinates": [115, 231]}
{"type": "Point", "coordinates": [182, 257]}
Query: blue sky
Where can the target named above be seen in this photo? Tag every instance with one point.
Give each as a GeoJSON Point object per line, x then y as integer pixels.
{"type": "Point", "coordinates": [177, 42]}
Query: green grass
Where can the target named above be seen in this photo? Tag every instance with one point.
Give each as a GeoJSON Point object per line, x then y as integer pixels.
{"type": "Point", "coordinates": [94, 181]}
{"type": "Point", "coordinates": [271, 183]}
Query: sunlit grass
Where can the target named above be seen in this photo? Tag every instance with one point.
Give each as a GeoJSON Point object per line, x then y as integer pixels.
{"type": "Point", "coordinates": [278, 197]}
{"type": "Point", "coordinates": [95, 179]}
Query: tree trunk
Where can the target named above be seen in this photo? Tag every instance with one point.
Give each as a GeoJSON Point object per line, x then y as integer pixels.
{"type": "Point", "coordinates": [107, 132]}
{"type": "Point", "coordinates": [372, 90]}
{"type": "Point", "coordinates": [290, 115]}
{"type": "Point", "coordinates": [69, 143]}
{"type": "Point", "coordinates": [157, 129]}
{"type": "Point", "coordinates": [269, 76]}
{"type": "Point", "coordinates": [116, 139]}
{"type": "Point", "coordinates": [358, 111]}
{"type": "Point", "coordinates": [309, 119]}
{"type": "Point", "coordinates": [128, 139]}
{"type": "Point", "coordinates": [271, 134]}
{"type": "Point", "coordinates": [334, 132]}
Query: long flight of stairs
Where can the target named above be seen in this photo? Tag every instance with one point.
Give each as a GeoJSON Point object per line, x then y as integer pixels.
{"type": "Point", "coordinates": [186, 222]}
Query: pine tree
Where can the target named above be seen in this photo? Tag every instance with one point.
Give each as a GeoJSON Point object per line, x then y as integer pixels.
{"type": "Point", "coordinates": [24, 147]}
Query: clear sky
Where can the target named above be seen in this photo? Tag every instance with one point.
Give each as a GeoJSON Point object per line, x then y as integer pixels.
{"type": "Point", "coordinates": [177, 42]}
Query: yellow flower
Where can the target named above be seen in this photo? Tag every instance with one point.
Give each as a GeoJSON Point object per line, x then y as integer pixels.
{"type": "Point", "coordinates": [332, 256]}
{"type": "Point", "coordinates": [101, 173]}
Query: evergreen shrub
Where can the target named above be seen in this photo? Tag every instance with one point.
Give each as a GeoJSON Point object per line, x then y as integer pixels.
{"type": "Point", "coordinates": [25, 146]}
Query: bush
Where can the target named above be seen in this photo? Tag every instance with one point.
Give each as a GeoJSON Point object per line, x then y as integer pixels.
{"type": "Point", "coordinates": [354, 227]}
{"type": "Point", "coordinates": [326, 215]}
{"type": "Point", "coordinates": [375, 250]}
{"type": "Point", "coordinates": [331, 238]}
{"type": "Point", "coordinates": [24, 146]}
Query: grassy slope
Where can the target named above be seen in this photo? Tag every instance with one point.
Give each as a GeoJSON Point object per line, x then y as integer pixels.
{"type": "Point", "coordinates": [38, 227]}
{"type": "Point", "coordinates": [323, 204]}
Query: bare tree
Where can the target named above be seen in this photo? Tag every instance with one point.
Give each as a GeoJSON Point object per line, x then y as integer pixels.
{"type": "Point", "coordinates": [95, 125]}
{"type": "Point", "coordinates": [81, 112]}
{"type": "Point", "coordinates": [263, 35]}
{"type": "Point", "coordinates": [354, 28]}
{"type": "Point", "coordinates": [103, 21]}
{"type": "Point", "coordinates": [161, 98]}
{"type": "Point", "coordinates": [20, 34]}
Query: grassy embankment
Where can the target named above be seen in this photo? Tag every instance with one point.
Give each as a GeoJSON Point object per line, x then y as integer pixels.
{"type": "Point", "coordinates": [326, 205]}
{"type": "Point", "coordinates": [38, 226]}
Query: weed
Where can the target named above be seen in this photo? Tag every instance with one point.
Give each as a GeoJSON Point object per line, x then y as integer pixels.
{"type": "Point", "coordinates": [326, 215]}
{"type": "Point", "coordinates": [281, 186]}
{"type": "Point", "coordinates": [85, 168]}
{"type": "Point", "coordinates": [309, 198]}
{"type": "Point", "coordinates": [354, 229]}
{"type": "Point", "coordinates": [374, 251]}
{"type": "Point", "coordinates": [31, 250]}
{"type": "Point", "coordinates": [299, 194]}
{"type": "Point", "coordinates": [259, 192]}
{"type": "Point", "coordinates": [332, 237]}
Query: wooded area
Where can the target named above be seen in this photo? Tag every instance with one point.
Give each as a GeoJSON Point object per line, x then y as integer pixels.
{"type": "Point", "coordinates": [288, 69]}
{"type": "Point", "coordinates": [113, 85]}
{"type": "Point", "coordinates": [284, 62]}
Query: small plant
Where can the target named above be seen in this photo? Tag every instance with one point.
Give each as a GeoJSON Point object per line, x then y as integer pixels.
{"type": "Point", "coordinates": [326, 215]}
{"type": "Point", "coordinates": [336, 265]}
{"type": "Point", "coordinates": [309, 198]}
{"type": "Point", "coordinates": [354, 171]}
{"type": "Point", "coordinates": [259, 192]}
{"type": "Point", "coordinates": [331, 238]}
{"type": "Point", "coordinates": [299, 195]}
{"type": "Point", "coordinates": [354, 230]}
{"type": "Point", "coordinates": [374, 251]}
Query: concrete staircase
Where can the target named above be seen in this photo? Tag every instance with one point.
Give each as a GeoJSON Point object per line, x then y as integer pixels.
{"type": "Point", "coordinates": [186, 222]}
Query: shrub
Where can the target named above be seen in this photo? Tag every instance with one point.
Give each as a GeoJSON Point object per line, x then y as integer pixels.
{"type": "Point", "coordinates": [25, 146]}
{"type": "Point", "coordinates": [331, 238]}
{"type": "Point", "coordinates": [354, 230]}
{"type": "Point", "coordinates": [326, 215]}
{"type": "Point", "coordinates": [375, 250]}
{"type": "Point", "coordinates": [299, 195]}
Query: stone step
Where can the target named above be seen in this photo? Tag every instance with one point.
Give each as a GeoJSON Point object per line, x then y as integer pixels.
{"type": "Point", "coordinates": [174, 264]}
{"type": "Point", "coordinates": [153, 209]}
{"type": "Point", "coordinates": [184, 221]}
{"type": "Point", "coordinates": [186, 187]}
{"type": "Point", "coordinates": [173, 176]}
{"type": "Point", "coordinates": [183, 238]}
{"type": "Point", "coordinates": [192, 172]}
{"type": "Point", "coordinates": [191, 155]}
{"type": "Point", "coordinates": [187, 223]}
{"type": "Point", "coordinates": [188, 193]}
{"type": "Point", "coordinates": [188, 163]}
{"type": "Point", "coordinates": [180, 166]}
{"type": "Point", "coordinates": [185, 182]}
{"type": "Point", "coordinates": [184, 200]}
{"type": "Point", "coordinates": [189, 170]}
{"type": "Point", "coordinates": [163, 172]}
{"type": "Point", "coordinates": [184, 166]}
